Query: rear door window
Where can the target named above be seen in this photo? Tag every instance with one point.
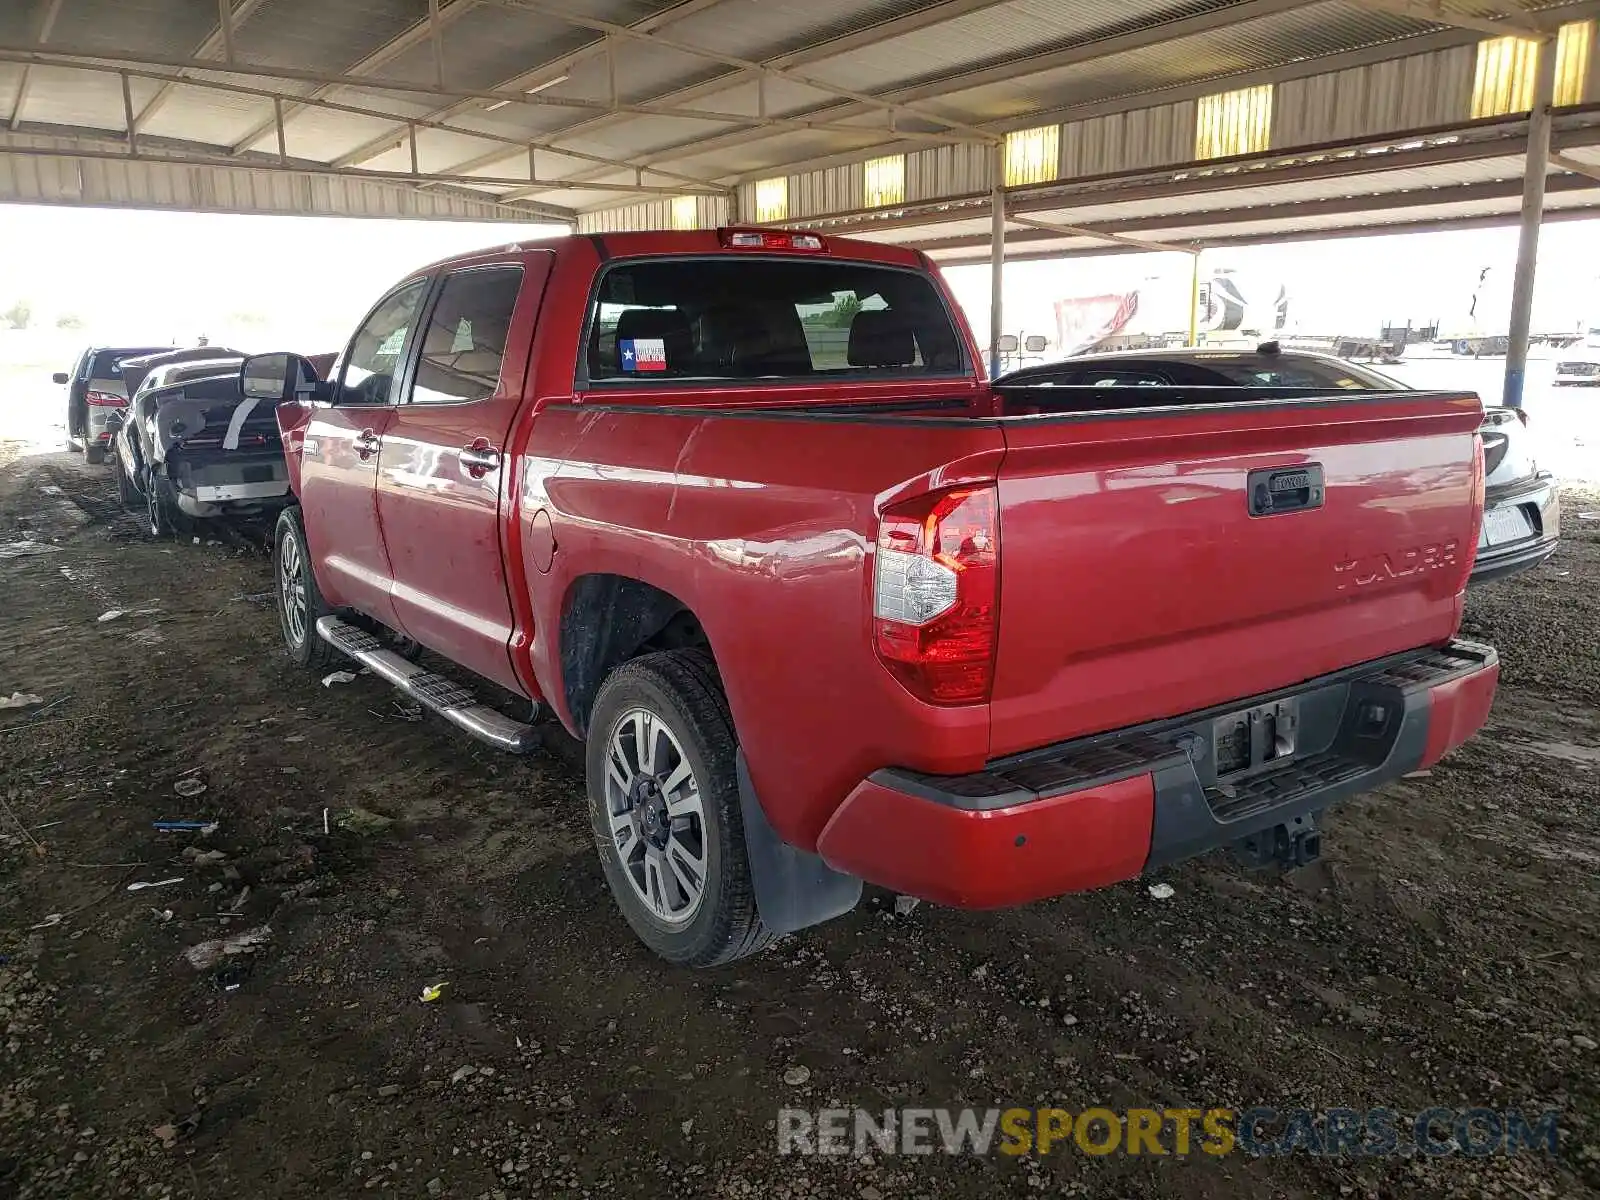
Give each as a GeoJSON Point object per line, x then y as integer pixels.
{"type": "Point", "coordinates": [466, 337]}
{"type": "Point", "coordinates": [736, 318]}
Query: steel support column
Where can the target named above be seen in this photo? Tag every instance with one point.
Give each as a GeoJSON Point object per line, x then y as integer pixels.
{"type": "Point", "coordinates": [997, 255]}
{"type": "Point", "coordinates": [1194, 299]}
{"type": "Point", "coordinates": [1536, 165]}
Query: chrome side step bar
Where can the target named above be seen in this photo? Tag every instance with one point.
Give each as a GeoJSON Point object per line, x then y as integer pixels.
{"type": "Point", "coordinates": [444, 696]}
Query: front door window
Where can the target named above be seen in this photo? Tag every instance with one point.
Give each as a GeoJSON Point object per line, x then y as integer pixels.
{"type": "Point", "coordinates": [377, 353]}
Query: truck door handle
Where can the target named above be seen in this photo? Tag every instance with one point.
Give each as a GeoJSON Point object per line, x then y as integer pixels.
{"type": "Point", "coordinates": [367, 443]}
{"type": "Point", "coordinates": [478, 459]}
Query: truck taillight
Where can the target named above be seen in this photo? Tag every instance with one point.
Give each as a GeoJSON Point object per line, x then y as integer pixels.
{"type": "Point", "coordinates": [936, 594]}
{"type": "Point", "coordinates": [105, 399]}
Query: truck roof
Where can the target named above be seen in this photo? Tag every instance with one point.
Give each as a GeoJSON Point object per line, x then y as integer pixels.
{"type": "Point", "coordinates": [662, 242]}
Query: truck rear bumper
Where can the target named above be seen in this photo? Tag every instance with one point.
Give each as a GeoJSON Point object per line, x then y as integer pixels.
{"type": "Point", "coordinates": [1091, 812]}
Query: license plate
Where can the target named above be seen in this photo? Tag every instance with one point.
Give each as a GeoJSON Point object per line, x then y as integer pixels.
{"type": "Point", "coordinates": [1248, 740]}
{"type": "Point", "coordinates": [1502, 525]}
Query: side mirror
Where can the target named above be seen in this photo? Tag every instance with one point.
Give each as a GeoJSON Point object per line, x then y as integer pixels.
{"type": "Point", "coordinates": [1035, 343]}
{"type": "Point", "coordinates": [1007, 343]}
{"type": "Point", "coordinates": [116, 419]}
{"type": "Point", "coordinates": [279, 377]}
{"type": "Point", "coordinates": [60, 377]}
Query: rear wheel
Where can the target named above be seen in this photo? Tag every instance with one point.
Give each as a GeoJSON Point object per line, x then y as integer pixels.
{"type": "Point", "coordinates": [296, 597]}
{"type": "Point", "coordinates": [126, 491]}
{"type": "Point", "coordinates": [162, 514]}
{"type": "Point", "coordinates": [664, 804]}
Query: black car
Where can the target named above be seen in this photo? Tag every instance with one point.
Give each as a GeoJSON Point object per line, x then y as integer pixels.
{"type": "Point", "coordinates": [1522, 512]}
{"type": "Point", "coordinates": [191, 445]}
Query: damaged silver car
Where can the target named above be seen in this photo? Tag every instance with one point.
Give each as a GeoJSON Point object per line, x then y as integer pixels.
{"type": "Point", "coordinates": [190, 444]}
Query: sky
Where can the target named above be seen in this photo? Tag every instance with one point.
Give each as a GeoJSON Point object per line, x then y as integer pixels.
{"type": "Point", "coordinates": [257, 283]}
{"type": "Point", "coordinates": [302, 283]}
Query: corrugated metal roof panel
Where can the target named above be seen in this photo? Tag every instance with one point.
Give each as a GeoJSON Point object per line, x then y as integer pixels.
{"type": "Point", "coordinates": [1415, 92]}
{"type": "Point", "coordinates": [488, 45]}
{"type": "Point", "coordinates": [314, 35]}
{"type": "Point", "coordinates": [127, 26]}
{"type": "Point", "coordinates": [772, 27]}
{"type": "Point", "coordinates": [203, 188]}
{"type": "Point", "coordinates": [1310, 32]}
{"type": "Point", "coordinates": [1129, 141]}
{"type": "Point", "coordinates": [711, 212]}
{"type": "Point", "coordinates": [949, 171]}
{"type": "Point", "coordinates": [768, 156]}
{"type": "Point", "coordinates": [997, 35]}
{"type": "Point", "coordinates": [623, 139]}
{"type": "Point", "coordinates": [57, 96]}
{"type": "Point", "coordinates": [643, 72]}
{"type": "Point", "coordinates": [208, 115]}
{"type": "Point", "coordinates": [19, 23]}
{"type": "Point", "coordinates": [1438, 175]}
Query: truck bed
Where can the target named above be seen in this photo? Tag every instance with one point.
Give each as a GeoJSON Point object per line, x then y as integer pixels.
{"type": "Point", "coordinates": [1135, 583]}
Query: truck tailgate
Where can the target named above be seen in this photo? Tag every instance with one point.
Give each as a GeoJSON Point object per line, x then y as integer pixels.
{"type": "Point", "coordinates": [1159, 562]}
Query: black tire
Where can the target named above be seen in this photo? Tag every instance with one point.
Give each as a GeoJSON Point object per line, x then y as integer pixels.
{"type": "Point", "coordinates": [162, 515]}
{"type": "Point", "coordinates": [132, 498]}
{"type": "Point", "coordinates": [681, 690]}
{"type": "Point", "coordinates": [93, 453]}
{"type": "Point", "coordinates": [291, 566]}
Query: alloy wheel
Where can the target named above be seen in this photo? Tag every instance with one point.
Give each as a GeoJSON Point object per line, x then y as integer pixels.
{"type": "Point", "coordinates": [292, 589]}
{"type": "Point", "coordinates": [657, 817]}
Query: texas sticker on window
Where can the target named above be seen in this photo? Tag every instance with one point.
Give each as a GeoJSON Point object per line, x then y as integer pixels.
{"type": "Point", "coordinates": [643, 354]}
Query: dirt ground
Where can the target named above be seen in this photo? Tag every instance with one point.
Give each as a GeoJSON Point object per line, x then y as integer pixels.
{"type": "Point", "coordinates": [1443, 952]}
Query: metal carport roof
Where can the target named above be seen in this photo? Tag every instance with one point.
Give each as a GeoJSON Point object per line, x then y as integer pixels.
{"type": "Point", "coordinates": [536, 110]}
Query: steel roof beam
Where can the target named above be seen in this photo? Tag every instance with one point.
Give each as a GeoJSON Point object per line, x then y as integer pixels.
{"type": "Point", "coordinates": [1511, 21]}
{"type": "Point", "coordinates": [1070, 54]}
{"type": "Point", "coordinates": [77, 56]}
{"type": "Point", "coordinates": [1098, 235]}
{"type": "Point", "coordinates": [1424, 43]}
{"type": "Point", "coordinates": [650, 38]}
{"type": "Point", "coordinates": [306, 167]}
{"type": "Point", "coordinates": [874, 35]}
{"type": "Point", "coordinates": [279, 98]}
{"type": "Point", "coordinates": [1278, 237]}
{"type": "Point", "coordinates": [47, 23]}
{"type": "Point", "coordinates": [553, 68]}
{"type": "Point", "coordinates": [1576, 165]}
{"type": "Point", "coordinates": [429, 28]}
{"type": "Point", "coordinates": [1494, 190]}
{"type": "Point", "coordinates": [219, 41]}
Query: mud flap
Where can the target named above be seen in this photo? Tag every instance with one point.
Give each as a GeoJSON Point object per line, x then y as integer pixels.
{"type": "Point", "coordinates": [794, 889]}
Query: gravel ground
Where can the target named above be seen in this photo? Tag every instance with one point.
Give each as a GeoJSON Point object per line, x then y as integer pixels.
{"type": "Point", "coordinates": [1442, 952]}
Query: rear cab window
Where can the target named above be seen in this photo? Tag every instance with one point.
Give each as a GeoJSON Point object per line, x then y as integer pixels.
{"type": "Point", "coordinates": [735, 318]}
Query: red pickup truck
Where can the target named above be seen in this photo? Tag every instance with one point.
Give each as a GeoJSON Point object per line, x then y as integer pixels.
{"type": "Point", "coordinates": [741, 510]}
